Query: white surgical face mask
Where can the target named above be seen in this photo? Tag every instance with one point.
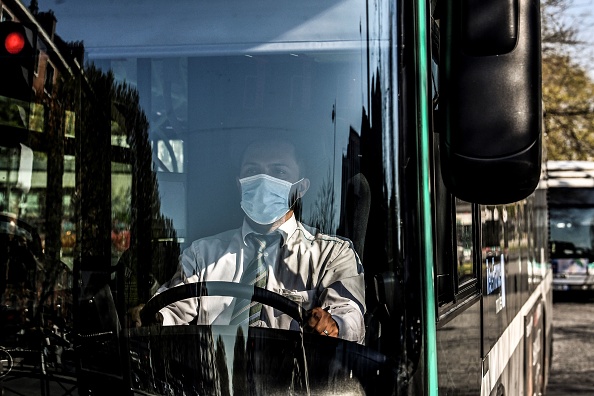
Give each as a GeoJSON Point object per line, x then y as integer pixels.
{"type": "Point", "coordinates": [265, 199]}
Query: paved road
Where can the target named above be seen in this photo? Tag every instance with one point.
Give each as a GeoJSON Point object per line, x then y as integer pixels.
{"type": "Point", "coordinates": [572, 371]}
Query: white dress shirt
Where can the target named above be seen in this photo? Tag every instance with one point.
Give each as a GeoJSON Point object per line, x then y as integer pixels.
{"type": "Point", "coordinates": [308, 267]}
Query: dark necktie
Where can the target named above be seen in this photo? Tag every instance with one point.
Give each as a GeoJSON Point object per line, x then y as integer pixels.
{"type": "Point", "coordinates": [256, 274]}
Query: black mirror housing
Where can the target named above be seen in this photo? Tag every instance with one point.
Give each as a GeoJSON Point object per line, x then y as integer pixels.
{"type": "Point", "coordinates": [491, 99]}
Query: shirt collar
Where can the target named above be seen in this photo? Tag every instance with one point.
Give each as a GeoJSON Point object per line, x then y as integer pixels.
{"type": "Point", "coordinates": [285, 230]}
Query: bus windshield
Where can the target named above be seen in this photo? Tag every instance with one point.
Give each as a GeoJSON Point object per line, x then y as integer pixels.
{"type": "Point", "coordinates": [210, 186]}
{"type": "Point", "coordinates": [572, 229]}
{"type": "Point", "coordinates": [572, 236]}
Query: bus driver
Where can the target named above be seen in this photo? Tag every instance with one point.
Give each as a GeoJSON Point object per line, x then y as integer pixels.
{"type": "Point", "coordinates": [275, 251]}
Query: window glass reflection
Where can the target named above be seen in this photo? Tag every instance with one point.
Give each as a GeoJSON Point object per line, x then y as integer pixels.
{"type": "Point", "coordinates": [464, 242]}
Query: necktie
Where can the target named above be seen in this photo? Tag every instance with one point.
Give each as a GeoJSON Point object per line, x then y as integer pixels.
{"type": "Point", "coordinates": [256, 274]}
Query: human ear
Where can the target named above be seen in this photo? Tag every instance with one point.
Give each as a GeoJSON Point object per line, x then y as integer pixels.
{"type": "Point", "coordinates": [302, 187]}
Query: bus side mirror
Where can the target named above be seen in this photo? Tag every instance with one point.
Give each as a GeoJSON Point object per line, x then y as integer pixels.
{"type": "Point", "coordinates": [490, 99]}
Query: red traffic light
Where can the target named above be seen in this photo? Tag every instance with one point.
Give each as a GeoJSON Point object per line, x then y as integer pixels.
{"type": "Point", "coordinates": [18, 57]}
{"type": "Point", "coordinates": [14, 42]}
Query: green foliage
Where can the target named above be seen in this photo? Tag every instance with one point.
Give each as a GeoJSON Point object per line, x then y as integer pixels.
{"type": "Point", "coordinates": [568, 96]}
{"type": "Point", "coordinates": [567, 89]}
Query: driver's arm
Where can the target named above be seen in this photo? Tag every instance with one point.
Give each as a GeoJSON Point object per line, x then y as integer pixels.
{"type": "Point", "coordinates": [341, 292]}
{"type": "Point", "coordinates": [184, 311]}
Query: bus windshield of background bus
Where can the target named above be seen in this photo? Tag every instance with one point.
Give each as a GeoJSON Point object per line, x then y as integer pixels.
{"type": "Point", "coordinates": [573, 231]}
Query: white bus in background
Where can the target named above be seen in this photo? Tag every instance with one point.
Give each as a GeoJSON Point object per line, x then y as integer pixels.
{"type": "Point", "coordinates": [571, 220]}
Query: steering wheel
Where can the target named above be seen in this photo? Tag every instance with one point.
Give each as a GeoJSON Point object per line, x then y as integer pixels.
{"type": "Point", "coordinates": [221, 288]}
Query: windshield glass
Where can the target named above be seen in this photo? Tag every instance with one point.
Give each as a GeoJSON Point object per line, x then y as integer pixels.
{"type": "Point", "coordinates": [571, 222]}
{"type": "Point", "coordinates": [214, 164]}
{"type": "Point", "coordinates": [574, 227]}
{"type": "Point", "coordinates": [572, 238]}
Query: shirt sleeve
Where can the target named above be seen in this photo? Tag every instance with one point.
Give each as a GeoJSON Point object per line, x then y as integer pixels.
{"type": "Point", "coordinates": [342, 292]}
{"type": "Point", "coordinates": [182, 312]}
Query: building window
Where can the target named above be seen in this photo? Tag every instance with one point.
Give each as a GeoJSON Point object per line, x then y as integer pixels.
{"type": "Point", "coordinates": [5, 16]}
{"type": "Point", "coordinates": [36, 63]}
{"type": "Point", "coordinates": [49, 79]}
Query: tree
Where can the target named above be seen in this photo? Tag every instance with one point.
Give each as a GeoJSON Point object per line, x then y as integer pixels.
{"type": "Point", "coordinates": [568, 91]}
{"type": "Point", "coordinates": [558, 32]}
{"type": "Point", "coordinates": [568, 96]}
{"type": "Point", "coordinates": [221, 365]}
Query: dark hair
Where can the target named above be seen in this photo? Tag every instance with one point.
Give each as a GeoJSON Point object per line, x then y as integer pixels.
{"type": "Point", "coordinates": [275, 139]}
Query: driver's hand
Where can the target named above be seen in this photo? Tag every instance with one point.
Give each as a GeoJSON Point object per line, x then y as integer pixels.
{"type": "Point", "coordinates": [321, 322]}
{"type": "Point", "coordinates": [134, 316]}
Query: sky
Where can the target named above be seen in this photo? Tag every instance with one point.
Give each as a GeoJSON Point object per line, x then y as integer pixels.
{"type": "Point", "coordinates": [583, 10]}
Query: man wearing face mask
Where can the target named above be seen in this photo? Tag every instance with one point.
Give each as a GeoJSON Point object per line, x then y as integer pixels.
{"type": "Point", "coordinates": [274, 251]}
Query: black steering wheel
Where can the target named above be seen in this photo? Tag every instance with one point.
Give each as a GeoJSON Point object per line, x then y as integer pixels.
{"type": "Point", "coordinates": [221, 288]}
